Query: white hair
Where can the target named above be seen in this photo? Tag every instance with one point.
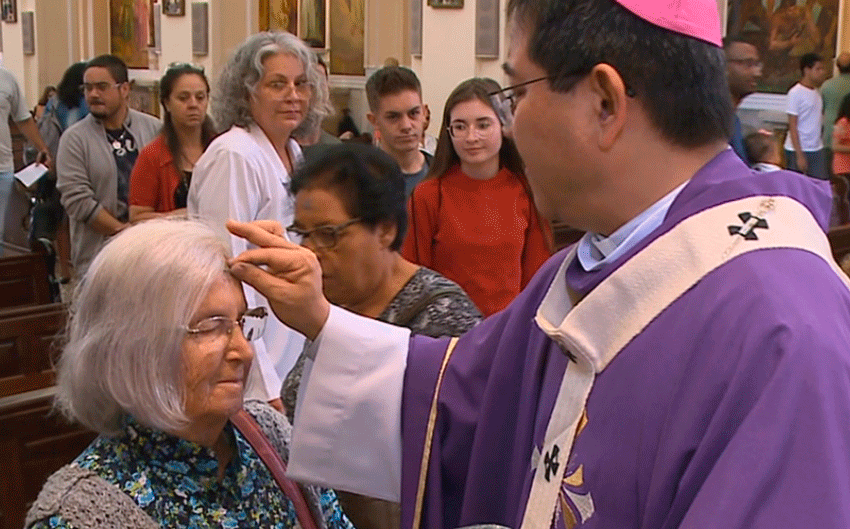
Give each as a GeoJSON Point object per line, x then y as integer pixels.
{"type": "Point", "coordinates": [123, 351]}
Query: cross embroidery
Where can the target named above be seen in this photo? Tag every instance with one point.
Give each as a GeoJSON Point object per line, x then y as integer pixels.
{"type": "Point", "coordinates": [550, 461]}
{"type": "Point", "coordinates": [751, 223]}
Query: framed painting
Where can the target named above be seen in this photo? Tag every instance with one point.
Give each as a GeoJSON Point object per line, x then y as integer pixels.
{"type": "Point", "coordinates": [129, 21]}
{"type": "Point", "coordinates": [312, 22]}
{"type": "Point", "coordinates": [783, 31]}
{"type": "Point", "coordinates": [347, 21]}
{"type": "Point", "coordinates": [174, 8]}
{"type": "Point", "coordinates": [456, 4]}
{"type": "Point", "coordinates": [279, 15]}
{"type": "Point", "coordinates": [9, 10]}
{"type": "Point", "coordinates": [144, 97]}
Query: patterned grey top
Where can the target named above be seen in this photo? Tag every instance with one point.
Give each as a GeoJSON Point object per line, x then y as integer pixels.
{"type": "Point", "coordinates": [429, 304]}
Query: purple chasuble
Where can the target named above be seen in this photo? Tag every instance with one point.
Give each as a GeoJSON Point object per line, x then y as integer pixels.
{"type": "Point", "coordinates": [729, 410]}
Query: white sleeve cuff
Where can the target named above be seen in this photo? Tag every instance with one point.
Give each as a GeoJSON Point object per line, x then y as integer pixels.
{"type": "Point", "coordinates": [347, 432]}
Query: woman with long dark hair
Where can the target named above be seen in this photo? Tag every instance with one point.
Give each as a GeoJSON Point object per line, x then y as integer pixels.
{"type": "Point", "coordinates": [160, 180]}
{"type": "Point", "coordinates": [473, 218]}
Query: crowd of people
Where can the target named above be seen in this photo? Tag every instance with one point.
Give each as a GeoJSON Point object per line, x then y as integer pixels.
{"type": "Point", "coordinates": [273, 327]}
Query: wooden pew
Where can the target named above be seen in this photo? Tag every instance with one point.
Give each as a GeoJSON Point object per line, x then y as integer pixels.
{"type": "Point", "coordinates": [839, 241]}
{"type": "Point", "coordinates": [24, 281]}
{"type": "Point", "coordinates": [27, 336]}
{"type": "Point", "coordinates": [34, 442]}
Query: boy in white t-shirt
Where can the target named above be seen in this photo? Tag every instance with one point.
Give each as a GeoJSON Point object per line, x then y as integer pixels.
{"type": "Point", "coordinates": [804, 105]}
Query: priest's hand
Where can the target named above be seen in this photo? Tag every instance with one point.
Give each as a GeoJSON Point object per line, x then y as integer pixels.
{"type": "Point", "coordinates": [287, 274]}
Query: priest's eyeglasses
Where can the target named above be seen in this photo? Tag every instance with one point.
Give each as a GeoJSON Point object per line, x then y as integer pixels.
{"type": "Point", "coordinates": [324, 237]}
{"type": "Point", "coordinates": [505, 100]}
{"type": "Point", "coordinates": [216, 329]}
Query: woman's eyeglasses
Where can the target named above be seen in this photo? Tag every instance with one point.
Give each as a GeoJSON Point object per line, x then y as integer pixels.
{"type": "Point", "coordinates": [252, 324]}
{"type": "Point", "coordinates": [186, 66]}
{"type": "Point", "coordinates": [323, 237]}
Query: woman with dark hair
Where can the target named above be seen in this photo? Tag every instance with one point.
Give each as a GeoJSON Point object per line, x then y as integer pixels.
{"type": "Point", "coordinates": [350, 212]}
{"type": "Point", "coordinates": [473, 218]}
{"type": "Point", "coordinates": [46, 95]}
{"type": "Point", "coordinates": [841, 140]}
{"type": "Point", "coordinates": [69, 101]}
{"type": "Point", "coordinates": [160, 180]}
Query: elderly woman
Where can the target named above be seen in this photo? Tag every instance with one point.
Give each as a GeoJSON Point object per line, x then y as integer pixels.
{"type": "Point", "coordinates": [350, 211]}
{"type": "Point", "coordinates": [264, 93]}
{"type": "Point", "coordinates": [156, 361]}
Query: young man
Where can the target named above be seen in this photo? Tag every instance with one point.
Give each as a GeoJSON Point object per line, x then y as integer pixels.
{"type": "Point", "coordinates": [743, 69]}
{"type": "Point", "coordinates": [804, 105]}
{"type": "Point", "coordinates": [96, 156]}
{"type": "Point", "coordinates": [694, 374]}
{"type": "Point", "coordinates": [397, 113]}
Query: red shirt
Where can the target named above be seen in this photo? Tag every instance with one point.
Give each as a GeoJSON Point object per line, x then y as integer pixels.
{"type": "Point", "coordinates": [154, 178]}
{"type": "Point", "coordinates": [486, 235]}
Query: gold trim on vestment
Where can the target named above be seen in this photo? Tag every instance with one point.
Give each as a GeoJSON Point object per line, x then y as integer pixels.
{"type": "Point", "coordinates": [429, 437]}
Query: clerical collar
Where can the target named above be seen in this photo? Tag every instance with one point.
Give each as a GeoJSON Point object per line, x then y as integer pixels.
{"type": "Point", "coordinates": [595, 251]}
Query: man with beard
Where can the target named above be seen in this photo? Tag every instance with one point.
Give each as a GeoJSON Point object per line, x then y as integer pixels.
{"type": "Point", "coordinates": [743, 70]}
{"type": "Point", "coordinates": [96, 156]}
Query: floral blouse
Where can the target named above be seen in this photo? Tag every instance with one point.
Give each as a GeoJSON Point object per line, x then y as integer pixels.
{"type": "Point", "coordinates": [175, 482]}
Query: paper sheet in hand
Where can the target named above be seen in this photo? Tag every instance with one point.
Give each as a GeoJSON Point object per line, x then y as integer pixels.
{"type": "Point", "coordinates": [29, 174]}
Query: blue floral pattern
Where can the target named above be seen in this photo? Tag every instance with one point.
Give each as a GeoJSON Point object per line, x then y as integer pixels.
{"type": "Point", "coordinates": [176, 482]}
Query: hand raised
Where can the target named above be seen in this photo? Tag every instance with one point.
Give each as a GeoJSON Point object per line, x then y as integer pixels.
{"type": "Point", "coordinates": [288, 275]}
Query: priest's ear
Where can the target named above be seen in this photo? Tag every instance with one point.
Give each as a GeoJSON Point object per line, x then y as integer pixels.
{"type": "Point", "coordinates": [611, 97]}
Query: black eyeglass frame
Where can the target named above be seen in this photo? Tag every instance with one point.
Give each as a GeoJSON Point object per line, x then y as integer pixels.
{"type": "Point", "coordinates": [332, 230]}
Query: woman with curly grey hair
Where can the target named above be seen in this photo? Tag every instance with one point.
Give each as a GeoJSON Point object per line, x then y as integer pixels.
{"type": "Point", "coordinates": [265, 92]}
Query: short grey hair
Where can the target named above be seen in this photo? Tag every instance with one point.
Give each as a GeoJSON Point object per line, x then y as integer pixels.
{"type": "Point", "coordinates": [242, 73]}
{"type": "Point", "coordinates": [123, 343]}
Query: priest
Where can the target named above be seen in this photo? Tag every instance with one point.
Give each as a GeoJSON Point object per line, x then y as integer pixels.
{"type": "Point", "coordinates": [684, 365]}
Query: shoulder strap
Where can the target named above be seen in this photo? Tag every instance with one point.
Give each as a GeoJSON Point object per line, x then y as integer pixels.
{"type": "Point", "coordinates": [415, 309]}
{"type": "Point", "coordinates": [251, 430]}
{"type": "Point", "coordinates": [84, 499]}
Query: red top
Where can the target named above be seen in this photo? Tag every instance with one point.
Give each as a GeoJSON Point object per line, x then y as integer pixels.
{"type": "Point", "coordinates": [486, 235]}
{"type": "Point", "coordinates": [841, 134]}
{"type": "Point", "coordinates": [154, 178]}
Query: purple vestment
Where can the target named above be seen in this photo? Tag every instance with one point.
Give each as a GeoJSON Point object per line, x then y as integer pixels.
{"type": "Point", "coordinates": [731, 409]}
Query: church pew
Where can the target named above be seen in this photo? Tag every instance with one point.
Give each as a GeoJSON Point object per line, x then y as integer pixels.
{"type": "Point", "coordinates": [35, 441]}
{"type": "Point", "coordinates": [27, 337]}
{"type": "Point", "coordinates": [839, 241]}
{"type": "Point", "coordinates": [24, 281]}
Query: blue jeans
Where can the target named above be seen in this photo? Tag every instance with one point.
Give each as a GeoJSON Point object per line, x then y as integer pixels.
{"type": "Point", "coordinates": [815, 159]}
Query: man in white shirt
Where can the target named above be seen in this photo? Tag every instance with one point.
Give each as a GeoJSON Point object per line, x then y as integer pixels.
{"type": "Point", "coordinates": [804, 105]}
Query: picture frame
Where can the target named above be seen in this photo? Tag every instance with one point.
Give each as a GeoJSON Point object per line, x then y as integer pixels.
{"type": "Point", "coordinates": [783, 31]}
{"type": "Point", "coordinates": [442, 4]}
{"type": "Point", "coordinates": [174, 8]}
{"type": "Point", "coordinates": [200, 28]}
{"type": "Point", "coordinates": [144, 97]}
{"type": "Point", "coordinates": [487, 29]}
{"type": "Point", "coordinates": [28, 32]}
{"type": "Point", "coordinates": [9, 10]}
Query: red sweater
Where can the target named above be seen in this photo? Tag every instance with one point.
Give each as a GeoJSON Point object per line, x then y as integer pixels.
{"type": "Point", "coordinates": [486, 235]}
{"type": "Point", "coordinates": [154, 178]}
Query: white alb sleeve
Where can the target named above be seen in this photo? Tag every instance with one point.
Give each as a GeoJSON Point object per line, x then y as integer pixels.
{"type": "Point", "coordinates": [347, 431]}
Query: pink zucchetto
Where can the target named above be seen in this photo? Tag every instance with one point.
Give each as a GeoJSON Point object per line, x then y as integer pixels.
{"type": "Point", "coordinates": [695, 18]}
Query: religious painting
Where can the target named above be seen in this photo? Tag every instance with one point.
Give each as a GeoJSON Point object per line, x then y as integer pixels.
{"type": "Point", "coordinates": [457, 4]}
{"type": "Point", "coordinates": [313, 22]}
{"type": "Point", "coordinates": [10, 10]}
{"type": "Point", "coordinates": [783, 31]}
{"type": "Point", "coordinates": [174, 8]}
{"type": "Point", "coordinates": [129, 21]}
{"type": "Point", "coordinates": [347, 19]}
{"type": "Point", "coordinates": [279, 15]}
{"type": "Point", "coordinates": [144, 97]}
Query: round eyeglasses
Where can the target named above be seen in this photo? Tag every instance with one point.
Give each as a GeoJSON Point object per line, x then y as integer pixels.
{"type": "Point", "coordinates": [219, 328]}
{"type": "Point", "coordinates": [460, 130]}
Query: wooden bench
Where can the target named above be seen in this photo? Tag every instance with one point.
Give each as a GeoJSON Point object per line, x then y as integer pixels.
{"type": "Point", "coordinates": [24, 281]}
{"type": "Point", "coordinates": [35, 441]}
{"type": "Point", "coordinates": [27, 337]}
{"type": "Point", "coordinates": [839, 241]}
